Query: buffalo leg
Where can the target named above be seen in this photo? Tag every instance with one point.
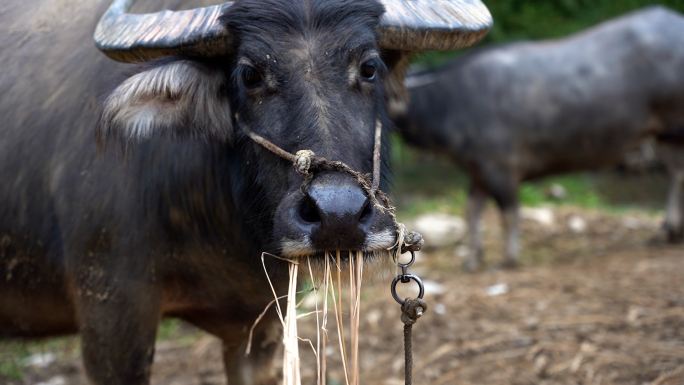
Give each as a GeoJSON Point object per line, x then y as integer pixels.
{"type": "Point", "coordinates": [672, 156]}
{"type": "Point", "coordinates": [510, 218]}
{"type": "Point", "coordinates": [242, 369]}
{"type": "Point", "coordinates": [118, 329]}
{"type": "Point", "coordinates": [505, 193]}
{"type": "Point", "coordinates": [477, 198]}
{"type": "Point", "coordinates": [257, 367]}
{"type": "Point", "coordinates": [675, 205]}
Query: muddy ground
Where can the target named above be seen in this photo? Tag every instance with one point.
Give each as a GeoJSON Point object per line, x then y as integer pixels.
{"type": "Point", "coordinates": [602, 306]}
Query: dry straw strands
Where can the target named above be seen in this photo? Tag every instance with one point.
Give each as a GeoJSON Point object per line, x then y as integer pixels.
{"type": "Point", "coordinates": [349, 354]}
{"type": "Point", "coordinates": [291, 370]}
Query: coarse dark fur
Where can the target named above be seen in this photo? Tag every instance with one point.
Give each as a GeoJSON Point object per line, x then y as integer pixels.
{"type": "Point", "coordinates": [105, 246]}
{"type": "Point", "coordinates": [527, 110]}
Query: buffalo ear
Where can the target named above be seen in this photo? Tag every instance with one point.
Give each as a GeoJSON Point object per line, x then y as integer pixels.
{"type": "Point", "coordinates": [181, 99]}
{"type": "Point", "coordinates": [396, 94]}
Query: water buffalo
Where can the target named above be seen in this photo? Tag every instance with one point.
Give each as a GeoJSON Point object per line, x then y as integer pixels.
{"type": "Point", "coordinates": [531, 109]}
{"type": "Point", "coordinates": [171, 217]}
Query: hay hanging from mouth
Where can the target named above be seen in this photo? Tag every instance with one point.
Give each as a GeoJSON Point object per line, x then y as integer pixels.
{"type": "Point", "coordinates": [291, 369]}
{"type": "Point", "coordinates": [332, 286]}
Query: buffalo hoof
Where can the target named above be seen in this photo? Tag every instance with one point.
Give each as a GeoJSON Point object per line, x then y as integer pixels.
{"type": "Point", "coordinates": [676, 236]}
{"type": "Point", "coordinates": [667, 235]}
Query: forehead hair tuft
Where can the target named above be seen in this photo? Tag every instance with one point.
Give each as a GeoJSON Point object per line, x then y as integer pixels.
{"type": "Point", "coordinates": [278, 17]}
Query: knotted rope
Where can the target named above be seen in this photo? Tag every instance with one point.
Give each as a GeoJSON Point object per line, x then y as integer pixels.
{"type": "Point", "coordinates": [306, 163]}
{"type": "Point", "coordinates": [411, 310]}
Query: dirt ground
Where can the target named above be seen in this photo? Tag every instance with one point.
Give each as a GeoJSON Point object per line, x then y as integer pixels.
{"type": "Point", "coordinates": [601, 306]}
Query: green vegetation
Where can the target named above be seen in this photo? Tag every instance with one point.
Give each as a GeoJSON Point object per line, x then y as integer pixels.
{"type": "Point", "coordinates": [14, 354]}
{"type": "Point", "coordinates": [11, 369]}
{"type": "Point", "coordinates": [580, 189]}
{"type": "Point", "coordinates": [182, 333]}
{"type": "Point", "coordinates": [167, 328]}
{"type": "Point", "coordinates": [542, 19]}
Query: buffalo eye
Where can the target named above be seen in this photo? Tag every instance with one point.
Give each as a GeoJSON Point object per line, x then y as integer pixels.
{"type": "Point", "coordinates": [368, 70]}
{"type": "Point", "coordinates": [250, 76]}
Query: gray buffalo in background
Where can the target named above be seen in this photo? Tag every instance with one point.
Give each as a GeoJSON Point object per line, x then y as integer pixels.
{"type": "Point", "coordinates": [531, 109]}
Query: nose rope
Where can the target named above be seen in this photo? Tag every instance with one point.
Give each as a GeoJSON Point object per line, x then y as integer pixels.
{"type": "Point", "coordinates": [306, 163]}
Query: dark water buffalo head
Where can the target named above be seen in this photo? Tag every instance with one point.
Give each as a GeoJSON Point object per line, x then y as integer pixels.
{"type": "Point", "coordinates": [308, 75]}
{"type": "Point", "coordinates": [303, 74]}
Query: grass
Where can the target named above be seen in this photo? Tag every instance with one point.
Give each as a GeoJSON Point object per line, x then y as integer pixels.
{"type": "Point", "coordinates": [14, 354]}
{"type": "Point", "coordinates": [11, 368]}
{"type": "Point", "coordinates": [168, 327]}
{"type": "Point", "coordinates": [580, 189]}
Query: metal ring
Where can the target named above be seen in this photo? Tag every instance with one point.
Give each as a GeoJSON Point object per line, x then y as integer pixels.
{"type": "Point", "coordinates": [407, 276]}
{"type": "Point", "coordinates": [413, 258]}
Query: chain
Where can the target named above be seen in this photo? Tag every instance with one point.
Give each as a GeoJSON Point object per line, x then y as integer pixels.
{"type": "Point", "coordinates": [411, 310]}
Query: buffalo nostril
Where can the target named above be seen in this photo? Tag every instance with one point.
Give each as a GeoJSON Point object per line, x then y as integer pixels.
{"type": "Point", "coordinates": [308, 211]}
{"type": "Point", "coordinates": [366, 213]}
{"type": "Point", "coordinates": [334, 213]}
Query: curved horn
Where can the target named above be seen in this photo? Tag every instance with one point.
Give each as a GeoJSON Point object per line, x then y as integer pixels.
{"type": "Point", "coordinates": [410, 25]}
{"type": "Point", "coordinates": [138, 37]}
{"type": "Point", "coordinates": [422, 25]}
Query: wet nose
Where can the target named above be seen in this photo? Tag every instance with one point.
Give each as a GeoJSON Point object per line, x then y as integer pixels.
{"type": "Point", "coordinates": [336, 213]}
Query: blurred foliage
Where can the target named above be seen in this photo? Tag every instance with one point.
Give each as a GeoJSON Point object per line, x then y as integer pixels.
{"type": "Point", "coordinates": [167, 328]}
{"type": "Point", "coordinates": [580, 191]}
{"type": "Point", "coordinates": [15, 354]}
{"type": "Point", "coordinates": [542, 19]}
{"type": "Point", "coordinates": [11, 370]}
{"type": "Point", "coordinates": [182, 333]}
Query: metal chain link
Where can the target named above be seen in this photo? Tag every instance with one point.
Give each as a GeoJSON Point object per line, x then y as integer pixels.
{"type": "Point", "coordinates": [411, 310]}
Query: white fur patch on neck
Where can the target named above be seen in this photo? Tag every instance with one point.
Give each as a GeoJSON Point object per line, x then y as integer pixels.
{"type": "Point", "coordinates": [181, 98]}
